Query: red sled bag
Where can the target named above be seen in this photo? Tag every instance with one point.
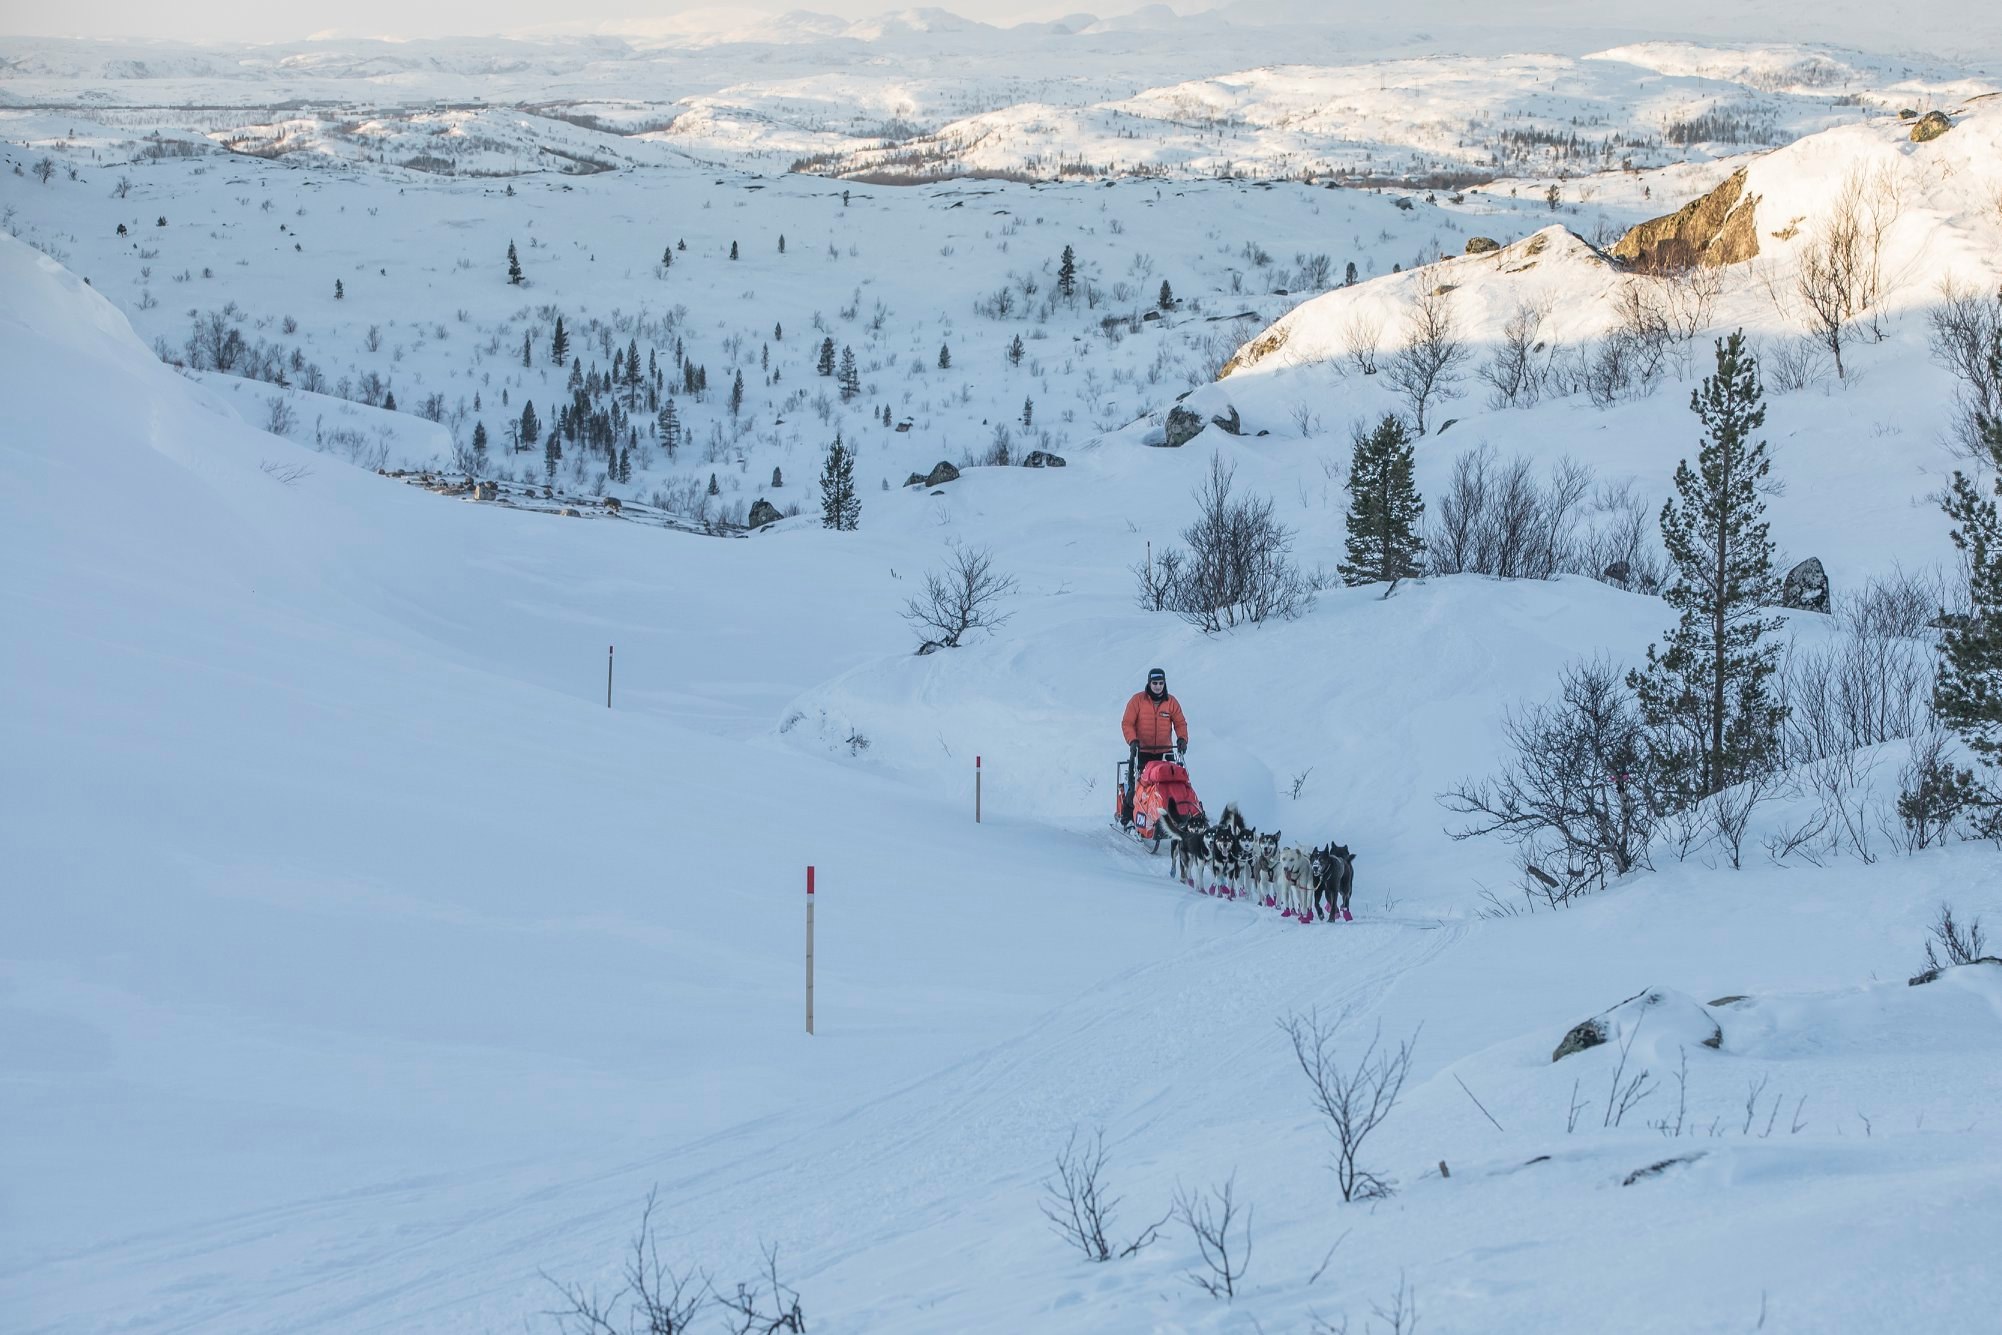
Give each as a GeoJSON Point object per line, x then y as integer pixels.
{"type": "Point", "coordinates": [1164, 789]}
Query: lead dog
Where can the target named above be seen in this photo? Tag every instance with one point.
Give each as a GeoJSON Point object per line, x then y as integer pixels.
{"type": "Point", "coordinates": [1334, 881]}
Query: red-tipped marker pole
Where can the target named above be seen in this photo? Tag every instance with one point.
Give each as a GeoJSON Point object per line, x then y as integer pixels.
{"type": "Point", "coordinates": [809, 950]}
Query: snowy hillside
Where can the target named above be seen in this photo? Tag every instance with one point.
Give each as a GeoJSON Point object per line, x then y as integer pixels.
{"type": "Point", "coordinates": [367, 972]}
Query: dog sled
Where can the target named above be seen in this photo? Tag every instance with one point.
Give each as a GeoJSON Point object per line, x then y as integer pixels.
{"type": "Point", "coordinates": [1156, 802]}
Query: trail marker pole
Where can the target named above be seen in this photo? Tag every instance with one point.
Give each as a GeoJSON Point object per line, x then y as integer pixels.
{"type": "Point", "coordinates": [809, 950]}
{"type": "Point", "coordinates": [608, 674]}
{"type": "Point", "coordinates": [976, 790]}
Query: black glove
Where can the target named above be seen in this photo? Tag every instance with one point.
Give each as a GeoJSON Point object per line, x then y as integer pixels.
{"type": "Point", "coordinates": [1182, 747]}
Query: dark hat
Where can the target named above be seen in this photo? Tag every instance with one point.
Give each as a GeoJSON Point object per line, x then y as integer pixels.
{"type": "Point", "coordinates": [1156, 674]}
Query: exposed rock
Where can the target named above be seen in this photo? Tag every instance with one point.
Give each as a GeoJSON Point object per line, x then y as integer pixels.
{"type": "Point", "coordinates": [1805, 588]}
{"type": "Point", "coordinates": [1719, 228]}
{"type": "Point", "coordinates": [1184, 425]}
{"type": "Point", "coordinates": [1257, 350]}
{"type": "Point", "coordinates": [613, 504]}
{"type": "Point", "coordinates": [1619, 572]}
{"type": "Point", "coordinates": [1590, 1034]}
{"type": "Point", "coordinates": [1731, 1000]}
{"type": "Point", "coordinates": [1043, 459]}
{"type": "Point", "coordinates": [486, 491]}
{"type": "Point", "coordinates": [1930, 127]}
{"type": "Point", "coordinates": [569, 512]}
{"type": "Point", "coordinates": [763, 512]}
{"type": "Point", "coordinates": [915, 480]}
{"type": "Point", "coordinates": [1667, 1017]}
{"type": "Point", "coordinates": [1482, 245]}
{"type": "Point", "coordinates": [1231, 423]}
{"type": "Point", "coordinates": [941, 474]}
{"type": "Point", "coordinates": [1660, 1166]}
{"type": "Point", "coordinates": [904, 426]}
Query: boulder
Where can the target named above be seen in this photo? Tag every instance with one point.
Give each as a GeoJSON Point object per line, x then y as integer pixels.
{"type": "Point", "coordinates": [613, 505]}
{"type": "Point", "coordinates": [941, 474]}
{"type": "Point", "coordinates": [1930, 127]}
{"type": "Point", "coordinates": [1184, 425]}
{"type": "Point", "coordinates": [1659, 1019]}
{"type": "Point", "coordinates": [763, 512]}
{"type": "Point", "coordinates": [1229, 421]}
{"type": "Point", "coordinates": [1043, 459]}
{"type": "Point", "coordinates": [1618, 572]}
{"type": "Point", "coordinates": [570, 513]}
{"type": "Point", "coordinates": [1482, 245]}
{"type": "Point", "coordinates": [486, 491]}
{"type": "Point", "coordinates": [915, 480]}
{"type": "Point", "coordinates": [1805, 588]}
{"type": "Point", "coordinates": [1719, 228]}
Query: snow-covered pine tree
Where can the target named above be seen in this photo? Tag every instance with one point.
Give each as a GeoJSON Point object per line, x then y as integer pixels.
{"type": "Point", "coordinates": [944, 357]}
{"type": "Point", "coordinates": [635, 379]}
{"type": "Point", "coordinates": [824, 364]}
{"type": "Point", "coordinates": [1015, 351]}
{"type": "Point", "coordinates": [840, 507]}
{"type": "Point", "coordinates": [1707, 695]}
{"type": "Point", "coordinates": [778, 478]}
{"type": "Point", "coordinates": [339, 291]}
{"type": "Point", "coordinates": [737, 395]}
{"type": "Point", "coordinates": [733, 250]}
{"type": "Point", "coordinates": [513, 265]}
{"type": "Point", "coordinates": [1166, 301]}
{"type": "Point", "coordinates": [1028, 412]}
{"type": "Point", "coordinates": [559, 344]}
{"type": "Point", "coordinates": [531, 426]}
{"type": "Point", "coordinates": [480, 441]}
{"type": "Point", "coordinates": [1967, 694]}
{"type": "Point", "coordinates": [851, 377]}
{"type": "Point", "coordinates": [1067, 274]}
{"type": "Point", "coordinates": [1385, 510]}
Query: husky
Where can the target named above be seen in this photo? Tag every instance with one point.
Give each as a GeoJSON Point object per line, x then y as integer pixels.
{"type": "Point", "coordinates": [1265, 869]}
{"type": "Point", "coordinates": [1189, 850]}
{"type": "Point", "coordinates": [1334, 881]}
{"type": "Point", "coordinates": [1296, 882]}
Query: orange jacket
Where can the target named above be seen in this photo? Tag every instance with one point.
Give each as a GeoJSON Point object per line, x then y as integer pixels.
{"type": "Point", "coordinates": [1154, 724]}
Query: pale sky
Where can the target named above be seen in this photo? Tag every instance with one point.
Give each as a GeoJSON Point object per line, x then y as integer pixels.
{"type": "Point", "coordinates": [262, 21]}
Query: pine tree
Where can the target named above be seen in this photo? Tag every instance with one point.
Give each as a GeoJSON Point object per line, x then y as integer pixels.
{"type": "Point", "coordinates": [531, 426]}
{"type": "Point", "coordinates": [480, 441]}
{"type": "Point", "coordinates": [667, 257]}
{"type": "Point", "coordinates": [778, 479]}
{"type": "Point", "coordinates": [851, 377]}
{"type": "Point", "coordinates": [1385, 511]}
{"type": "Point", "coordinates": [840, 507]}
{"type": "Point", "coordinates": [559, 344]}
{"type": "Point", "coordinates": [782, 243]}
{"type": "Point", "coordinates": [1015, 351]}
{"type": "Point", "coordinates": [778, 332]}
{"type": "Point", "coordinates": [1967, 694]}
{"type": "Point", "coordinates": [576, 374]}
{"type": "Point", "coordinates": [513, 265]}
{"type": "Point", "coordinates": [528, 349]}
{"type": "Point", "coordinates": [635, 378]}
{"type": "Point", "coordinates": [944, 357]}
{"type": "Point", "coordinates": [1349, 280]}
{"type": "Point", "coordinates": [670, 428]}
{"type": "Point", "coordinates": [389, 401]}
{"type": "Point", "coordinates": [737, 395]}
{"type": "Point", "coordinates": [1067, 274]}
{"type": "Point", "coordinates": [825, 363]}
{"type": "Point", "coordinates": [1028, 412]}
{"type": "Point", "coordinates": [1707, 695]}
{"type": "Point", "coordinates": [339, 291]}
{"type": "Point", "coordinates": [733, 250]}
{"type": "Point", "coordinates": [552, 451]}
{"type": "Point", "coordinates": [714, 490]}
{"type": "Point", "coordinates": [1166, 301]}
{"type": "Point", "coordinates": [625, 466]}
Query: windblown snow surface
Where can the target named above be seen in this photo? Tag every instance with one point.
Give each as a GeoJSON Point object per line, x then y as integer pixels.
{"type": "Point", "coordinates": [363, 971]}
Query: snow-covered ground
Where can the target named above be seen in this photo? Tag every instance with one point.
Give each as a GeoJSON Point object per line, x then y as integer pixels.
{"type": "Point", "coordinates": [363, 968]}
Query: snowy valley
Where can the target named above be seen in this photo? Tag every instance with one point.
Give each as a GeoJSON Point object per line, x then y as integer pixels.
{"type": "Point", "coordinates": [432, 677]}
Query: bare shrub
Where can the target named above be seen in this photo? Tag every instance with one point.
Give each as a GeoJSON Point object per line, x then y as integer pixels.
{"type": "Point", "coordinates": [1841, 278]}
{"type": "Point", "coordinates": [1861, 688]}
{"type": "Point", "coordinates": [1961, 945]}
{"type": "Point", "coordinates": [1354, 1098]}
{"type": "Point", "coordinates": [1966, 334]}
{"type": "Point", "coordinates": [279, 418]}
{"type": "Point", "coordinates": [1575, 793]}
{"type": "Point", "coordinates": [1223, 1240]}
{"type": "Point", "coordinates": [964, 595]}
{"type": "Point", "coordinates": [1618, 541]}
{"type": "Point", "coordinates": [1499, 519]}
{"type": "Point", "coordinates": [748, 1313]}
{"type": "Point", "coordinates": [1362, 337]}
{"type": "Point", "coordinates": [1514, 375]}
{"type": "Point", "coordinates": [1238, 567]}
{"type": "Point", "coordinates": [1790, 365]}
{"type": "Point", "coordinates": [1687, 296]}
{"type": "Point", "coordinates": [1902, 605]}
{"type": "Point", "coordinates": [1078, 1206]}
{"type": "Point", "coordinates": [653, 1300]}
{"type": "Point", "coordinates": [1427, 367]}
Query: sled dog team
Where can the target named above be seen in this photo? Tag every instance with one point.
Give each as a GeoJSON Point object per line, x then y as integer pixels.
{"type": "Point", "coordinates": [1234, 861]}
{"type": "Point", "coordinates": [1230, 858]}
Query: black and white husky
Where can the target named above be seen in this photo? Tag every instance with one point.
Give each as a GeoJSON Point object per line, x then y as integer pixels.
{"type": "Point", "coordinates": [1334, 881]}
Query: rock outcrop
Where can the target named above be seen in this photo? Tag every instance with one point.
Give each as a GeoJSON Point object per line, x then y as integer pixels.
{"type": "Point", "coordinates": [1043, 459]}
{"type": "Point", "coordinates": [763, 512]}
{"type": "Point", "coordinates": [1184, 425]}
{"type": "Point", "coordinates": [941, 473]}
{"type": "Point", "coordinates": [1720, 228]}
{"type": "Point", "coordinates": [1482, 245]}
{"type": "Point", "coordinates": [1805, 588]}
{"type": "Point", "coordinates": [1930, 127]}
